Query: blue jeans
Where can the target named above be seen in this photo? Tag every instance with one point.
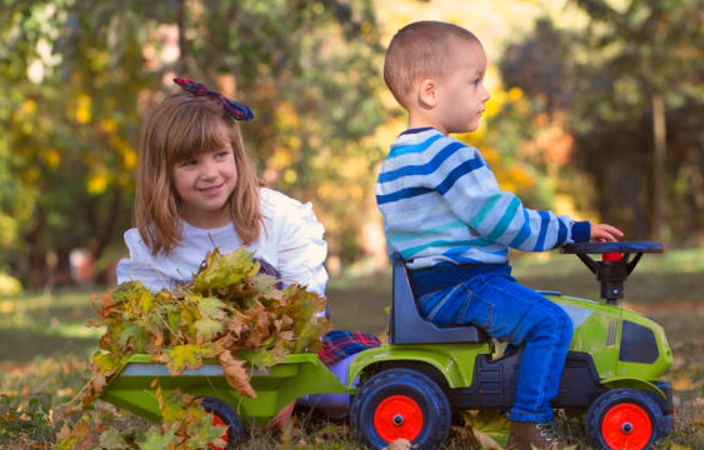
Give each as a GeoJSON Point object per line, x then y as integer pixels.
{"type": "Point", "coordinates": [511, 312]}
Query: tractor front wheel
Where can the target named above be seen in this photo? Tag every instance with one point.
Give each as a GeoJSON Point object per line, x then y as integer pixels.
{"type": "Point", "coordinates": [623, 419]}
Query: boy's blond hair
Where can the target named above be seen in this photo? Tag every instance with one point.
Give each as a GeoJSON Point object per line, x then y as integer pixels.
{"type": "Point", "coordinates": [182, 126]}
{"type": "Point", "coordinates": [420, 50]}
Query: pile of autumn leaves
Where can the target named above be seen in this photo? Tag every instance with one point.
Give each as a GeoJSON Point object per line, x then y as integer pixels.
{"type": "Point", "coordinates": [231, 312]}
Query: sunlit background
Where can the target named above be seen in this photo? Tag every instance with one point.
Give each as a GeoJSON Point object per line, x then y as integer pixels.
{"type": "Point", "coordinates": [596, 111]}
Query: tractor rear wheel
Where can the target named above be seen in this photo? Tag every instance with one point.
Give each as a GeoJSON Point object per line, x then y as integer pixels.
{"type": "Point", "coordinates": [401, 404]}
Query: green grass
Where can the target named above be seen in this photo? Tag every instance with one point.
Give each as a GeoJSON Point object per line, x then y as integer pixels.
{"type": "Point", "coordinates": [42, 325]}
{"type": "Point", "coordinates": [45, 346]}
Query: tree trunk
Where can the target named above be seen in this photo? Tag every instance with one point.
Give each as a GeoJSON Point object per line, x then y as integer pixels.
{"type": "Point", "coordinates": [659, 167]}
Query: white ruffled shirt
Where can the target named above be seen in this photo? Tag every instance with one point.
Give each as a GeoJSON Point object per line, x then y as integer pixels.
{"type": "Point", "coordinates": [291, 241]}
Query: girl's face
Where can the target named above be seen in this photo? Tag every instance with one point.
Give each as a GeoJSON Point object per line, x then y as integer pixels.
{"type": "Point", "coordinates": [204, 184]}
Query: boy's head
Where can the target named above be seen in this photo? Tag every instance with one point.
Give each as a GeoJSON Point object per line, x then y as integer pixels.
{"type": "Point", "coordinates": [435, 70]}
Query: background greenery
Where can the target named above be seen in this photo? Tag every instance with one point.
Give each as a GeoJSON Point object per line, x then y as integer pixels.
{"type": "Point", "coordinates": [596, 111]}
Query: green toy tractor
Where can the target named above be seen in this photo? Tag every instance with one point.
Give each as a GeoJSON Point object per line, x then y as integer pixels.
{"type": "Point", "coordinates": [411, 387]}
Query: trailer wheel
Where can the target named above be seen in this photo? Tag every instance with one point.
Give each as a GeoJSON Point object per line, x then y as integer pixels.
{"type": "Point", "coordinates": [624, 419]}
{"type": "Point", "coordinates": [400, 404]}
{"type": "Point", "coordinates": [224, 414]}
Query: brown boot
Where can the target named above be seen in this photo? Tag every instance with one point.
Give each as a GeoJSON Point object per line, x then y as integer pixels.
{"type": "Point", "coordinates": [531, 435]}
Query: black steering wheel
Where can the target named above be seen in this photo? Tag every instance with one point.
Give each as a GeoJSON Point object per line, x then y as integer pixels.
{"type": "Point", "coordinates": [617, 262]}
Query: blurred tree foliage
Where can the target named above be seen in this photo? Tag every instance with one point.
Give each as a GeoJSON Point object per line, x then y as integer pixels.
{"type": "Point", "coordinates": [66, 120]}
{"type": "Point", "coordinates": [78, 76]}
{"type": "Point", "coordinates": [603, 84]}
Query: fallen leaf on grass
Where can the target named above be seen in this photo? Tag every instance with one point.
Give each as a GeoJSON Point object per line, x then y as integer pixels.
{"type": "Point", "coordinates": [399, 444]}
{"type": "Point", "coordinates": [682, 384]}
{"type": "Point", "coordinates": [488, 429]}
{"type": "Point", "coordinates": [676, 446]}
{"type": "Point", "coordinates": [698, 423]}
{"type": "Point", "coordinates": [485, 441]}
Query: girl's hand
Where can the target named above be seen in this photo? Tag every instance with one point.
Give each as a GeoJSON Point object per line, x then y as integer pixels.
{"type": "Point", "coordinates": [603, 232]}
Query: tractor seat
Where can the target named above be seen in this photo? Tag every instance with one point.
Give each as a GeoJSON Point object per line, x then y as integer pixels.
{"type": "Point", "coordinates": [409, 327]}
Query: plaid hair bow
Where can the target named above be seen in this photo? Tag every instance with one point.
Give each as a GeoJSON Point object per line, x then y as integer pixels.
{"type": "Point", "coordinates": [236, 110]}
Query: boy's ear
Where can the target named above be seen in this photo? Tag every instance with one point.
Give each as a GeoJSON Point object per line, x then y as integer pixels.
{"type": "Point", "coordinates": [427, 92]}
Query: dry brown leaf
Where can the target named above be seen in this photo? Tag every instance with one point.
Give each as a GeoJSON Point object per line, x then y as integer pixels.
{"type": "Point", "coordinates": [682, 384]}
{"type": "Point", "coordinates": [399, 444]}
{"type": "Point", "coordinates": [284, 323]}
{"type": "Point", "coordinates": [698, 423]}
{"type": "Point", "coordinates": [236, 375]}
{"type": "Point", "coordinates": [485, 441]}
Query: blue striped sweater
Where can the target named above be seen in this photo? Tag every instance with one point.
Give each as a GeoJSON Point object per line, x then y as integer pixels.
{"type": "Point", "coordinates": [441, 203]}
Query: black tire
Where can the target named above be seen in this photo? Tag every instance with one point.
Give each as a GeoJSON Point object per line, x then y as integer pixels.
{"type": "Point", "coordinates": [400, 403]}
{"type": "Point", "coordinates": [224, 414]}
{"type": "Point", "coordinates": [625, 418]}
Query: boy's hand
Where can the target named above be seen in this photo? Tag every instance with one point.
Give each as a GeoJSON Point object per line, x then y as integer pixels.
{"type": "Point", "coordinates": [603, 232]}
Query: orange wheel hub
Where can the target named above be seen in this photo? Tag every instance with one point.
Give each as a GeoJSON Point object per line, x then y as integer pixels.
{"type": "Point", "coordinates": [627, 427]}
{"type": "Point", "coordinates": [398, 416]}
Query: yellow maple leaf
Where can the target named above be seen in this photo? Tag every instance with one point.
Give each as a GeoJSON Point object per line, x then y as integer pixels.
{"type": "Point", "coordinates": [186, 356]}
{"type": "Point", "coordinates": [145, 301]}
{"type": "Point", "coordinates": [208, 329]}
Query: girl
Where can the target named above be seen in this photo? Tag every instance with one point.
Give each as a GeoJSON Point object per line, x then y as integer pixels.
{"type": "Point", "coordinates": [197, 190]}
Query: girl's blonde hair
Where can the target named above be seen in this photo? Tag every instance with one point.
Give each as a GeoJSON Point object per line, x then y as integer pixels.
{"type": "Point", "coordinates": [182, 126]}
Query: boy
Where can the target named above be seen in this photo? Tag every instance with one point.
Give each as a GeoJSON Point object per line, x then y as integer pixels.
{"type": "Point", "coordinates": [446, 215]}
